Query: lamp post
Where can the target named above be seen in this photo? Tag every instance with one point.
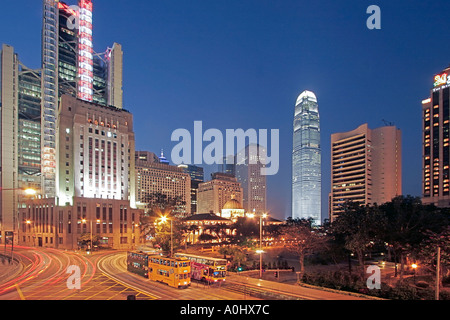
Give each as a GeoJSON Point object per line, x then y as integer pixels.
{"type": "Point", "coordinates": [414, 266]}
{"type": "Point", "coordinates": [164, 220]}
{"type": "Point", "coordinates": [261, 217]}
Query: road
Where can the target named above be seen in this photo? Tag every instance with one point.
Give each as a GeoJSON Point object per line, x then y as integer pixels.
{"type": "Point", "coordinates": [45, 274]}
{"type": "Point", "coordinates": [41, 274]}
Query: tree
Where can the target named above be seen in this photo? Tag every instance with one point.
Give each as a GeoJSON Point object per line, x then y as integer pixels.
{"type": "Point", "coordinates": [360, 227]}
{"type": "Point", "coordinates": [236, 253]}
{"type": "Point", "coordinates": [159, 202]}
{"type": "Point", "coordinates": [428, 251]}
{"type": "Point", "coordinates": [85, 239]}
{"type": "Point", "coordinates": [407, 221]}
{"type": "Point", "coordinates": [301, 238]}
{"type": "Point", "coordinates": [154, 229]}
{"type": "Point", "coordinates": [245, 230]}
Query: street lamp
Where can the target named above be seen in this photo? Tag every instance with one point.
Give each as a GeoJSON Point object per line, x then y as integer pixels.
{"type": "Point", "coordinates": [164, 220]}
{"type": "Point", "coordinates": [260, 251]}
{"type": "Point", "coordinates": [27, 191]}
{"type": "Point", "coordinates": [414, 266]}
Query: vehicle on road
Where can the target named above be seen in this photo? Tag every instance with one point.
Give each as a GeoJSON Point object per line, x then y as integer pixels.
{"type": "Point", "coordinates": [175, 272]}
{"type": "Point", "coordinates": [206, 269]}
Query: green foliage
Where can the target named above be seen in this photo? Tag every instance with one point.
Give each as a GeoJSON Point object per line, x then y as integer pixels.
{"type": "Point", "coordinates": [343, 281]}
{"type": "Point", "coordinates": [237, 254]}
{"type": "Point", "coordinates": [302, 238]}
{"type": "Point", "coordinates": [85, 239]}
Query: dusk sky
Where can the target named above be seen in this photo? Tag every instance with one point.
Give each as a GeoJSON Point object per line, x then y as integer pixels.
{"type": "Point", "coordinates": [241, 64]}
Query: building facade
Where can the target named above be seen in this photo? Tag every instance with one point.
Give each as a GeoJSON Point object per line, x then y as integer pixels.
{"type": "Point", "coordinates": [30, 102]}
{"type": "Point", "coordinates": [9, 138]}
{"type": "Point", "coordinates": [197, 177]}
{"type": "Point", "coordinates": [306, 159]}
{"type": "Point", "coordinates": [248, 173]}
{"type": "Point", "coordinates": [436, 142]}
{"type": "Point", "coordinates": [213, 194]}
{"type": "Point", "coordinates": [95, 156]}
{"type": "Point", "coordinates": [113, 224]}
{"type": "Point", "coordinates": [365, 167]}
{"type": "Point", "coordinates": [154, 177]}
{"type": "Point", "coordinates": [71, 66]}
{"type": "Point", "coordinates": [227, 167]}
{"type": "Point", "coordinates": [20, 145]}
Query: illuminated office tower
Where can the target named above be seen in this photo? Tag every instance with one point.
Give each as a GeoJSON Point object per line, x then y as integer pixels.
{"type": "Point", "coordinates": [50, 62]}
{"type": "Point", "coordinates": [306, 159]}
{"type": "Point", "coordinates": [20, 113]}
{"type": "Point", "coordinates": [155, 177]}
{"type": "Point", "coordinates": [95, 152]}
{"type": "Point", "coordinates": [29, 128]}
{"type": "Point", "coordinates": [248, 173]}
{"type": "Point", "coordinates": [436, 142]}
{"type": "Point", "coordinates": [365, 167]}
{"type": "Point", "coordinates": [229, 168]}
{"type": "Point", "coordinates": [71, 66]}
{"type": "Point", "coordinates": [9, 138]}
{"type": "Point", "coordinates": [114, 59]}
{"type": "Point", "coordinates": [197, 177]}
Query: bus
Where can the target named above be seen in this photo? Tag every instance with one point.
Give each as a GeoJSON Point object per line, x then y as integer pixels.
{"type": "Point", "coordinates": [137, 262]}
{"type": "Point", "coordinates": [206, 269]}
{"type": "Point", "coordinates": [176, 272]}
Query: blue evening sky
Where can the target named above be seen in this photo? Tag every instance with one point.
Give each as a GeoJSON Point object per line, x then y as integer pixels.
{"type": "Point", "coordinates": [241, 64]}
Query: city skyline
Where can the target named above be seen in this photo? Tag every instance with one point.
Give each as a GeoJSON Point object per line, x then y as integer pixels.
{"type": "Point", "coordinates": [258, 43]}
{"type": "Point", "coordinates": [90, 210]}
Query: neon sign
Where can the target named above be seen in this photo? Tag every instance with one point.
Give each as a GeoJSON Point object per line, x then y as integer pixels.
{"type": "Point", "coordinates": [441, 79]}
{"type": "Point", "coordinates": [85, 52]}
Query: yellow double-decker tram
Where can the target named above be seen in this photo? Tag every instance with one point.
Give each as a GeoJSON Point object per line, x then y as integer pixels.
{"type": "Point", "coordinates": [176, 272]}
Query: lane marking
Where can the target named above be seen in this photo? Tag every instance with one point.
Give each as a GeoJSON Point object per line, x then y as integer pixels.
{"type": "Point", "coordinates": [124, 283]}
{"type": "Point", "coordinates": [22, 297]}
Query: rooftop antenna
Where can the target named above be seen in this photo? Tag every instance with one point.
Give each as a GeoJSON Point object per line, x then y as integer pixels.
{"type": "Point", "coordinates": [387, 123]}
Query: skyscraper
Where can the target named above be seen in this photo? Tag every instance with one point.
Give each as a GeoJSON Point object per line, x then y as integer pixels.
{"type": "Point", "coordinates": [229, 168]}
{"type": "Point", "coordinates": [248, 173]}
{"type": "Point", "coordinates": [306, 159]}
{"type": "Point", "coordinates": [9, 70]}
{"type": "Point", "coordinates": [365, 167]}
{"type": "Point", "coordinates": [436, 142]}
{"type": "Point", "coordinates": [71, 66]}
{"type": "Point", "coordinates": [96, 157]}
{"type": "Point", "coordinates": [197, 177]}
{"type": "Point", "coordinates": [20, 128]}
{"type": "Point", "coordinates": [155, 177]}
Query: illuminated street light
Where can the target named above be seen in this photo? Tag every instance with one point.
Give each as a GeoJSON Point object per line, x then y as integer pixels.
{"type": "Point", "coordinates": [414, 266]}
{"type": "Point", "coordinates": [261, 217]}
{"type": "Point", "coordinates": [30, 192]}
{"type": "Point", "coordinates": [164, 220]}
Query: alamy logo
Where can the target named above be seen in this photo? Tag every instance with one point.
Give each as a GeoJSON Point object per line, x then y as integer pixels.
{"type": "Point", "coordinates": [374, 21]}
{"type": "Point", "coordinates": [374, 280]}
{"type": "Point", "coordinates": [214, 152]}
{"type": "Point", "coordinates": [73, 22]}
{"type": "Point", "coordinates": [74, 280]}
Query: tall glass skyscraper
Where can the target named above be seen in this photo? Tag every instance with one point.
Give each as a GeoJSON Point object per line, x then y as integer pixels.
{"type": "Point", "coordinates": [306, 159]}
